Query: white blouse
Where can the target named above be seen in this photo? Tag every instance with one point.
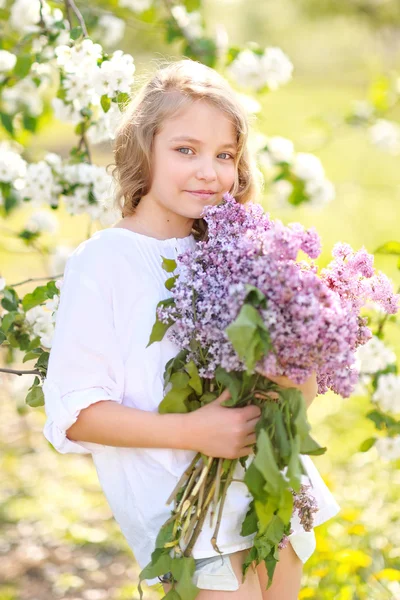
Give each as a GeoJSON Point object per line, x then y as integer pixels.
{"type": "Point", "coordinates": [112, 284]}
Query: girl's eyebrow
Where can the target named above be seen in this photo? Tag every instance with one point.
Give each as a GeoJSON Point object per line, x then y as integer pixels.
{"type": "Point", "coordinates": [185, 138]}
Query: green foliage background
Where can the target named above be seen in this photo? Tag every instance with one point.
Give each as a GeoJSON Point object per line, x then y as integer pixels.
{"type": "Point", "coordinates": [52, 504]}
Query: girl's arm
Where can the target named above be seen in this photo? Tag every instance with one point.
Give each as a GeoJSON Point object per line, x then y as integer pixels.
{"type": "Point", "coordinates": [112, 424]}
{"type": "Point", "coordinates": [309, 388]}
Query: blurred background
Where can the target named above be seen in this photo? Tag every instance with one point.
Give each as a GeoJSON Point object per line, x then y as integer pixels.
{"type": "Point", "coordinates": [57, 535]}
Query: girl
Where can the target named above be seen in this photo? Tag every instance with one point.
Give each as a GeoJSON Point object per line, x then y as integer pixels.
{"type": "Point", "coordinates": [181, 145]}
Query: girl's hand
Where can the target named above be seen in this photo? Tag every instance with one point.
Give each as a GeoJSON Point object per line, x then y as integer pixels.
{"type": "Point", "coordinates": [309, 388]}
{"type": "Point", "coordinates": [221, 431]}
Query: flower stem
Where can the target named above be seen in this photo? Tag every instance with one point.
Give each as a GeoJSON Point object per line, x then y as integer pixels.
{"type": "Point", "coordinates": [183, 478]}
{"type": "Point", "coordinates": [221, 506]}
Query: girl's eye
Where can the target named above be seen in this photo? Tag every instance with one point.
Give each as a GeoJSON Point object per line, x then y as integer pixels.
{"type": "Point", "coordinates": [226, 154]}
{"type": "Point", "coordinates": [179, 150]}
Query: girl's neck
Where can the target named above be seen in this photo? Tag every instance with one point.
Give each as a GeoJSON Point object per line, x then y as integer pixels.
{"type": "Point", "coordinates": [151, 220]}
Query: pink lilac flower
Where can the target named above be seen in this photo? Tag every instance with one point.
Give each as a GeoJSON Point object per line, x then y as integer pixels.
{"type": "Point", "coordinates": [313, 320]}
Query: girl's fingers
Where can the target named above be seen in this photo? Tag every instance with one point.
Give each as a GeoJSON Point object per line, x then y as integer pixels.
{"type": "Point", "coordinates": [250, 426]}
{"type": "Point", "coordinates": [251, 439]}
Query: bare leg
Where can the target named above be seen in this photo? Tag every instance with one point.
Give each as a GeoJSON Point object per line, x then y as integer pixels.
{"type": "Point", "coordinates": [249, 589]}
{"type": "Point", "coordinates": [287, 577]}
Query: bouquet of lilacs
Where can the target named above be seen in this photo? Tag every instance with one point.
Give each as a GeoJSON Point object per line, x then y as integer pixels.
{"type": "Point", "coordinates": [242, 308]}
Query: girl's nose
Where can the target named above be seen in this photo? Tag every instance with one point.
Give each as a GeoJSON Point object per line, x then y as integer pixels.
{"type": "Point", "coordinates": [206, 171]}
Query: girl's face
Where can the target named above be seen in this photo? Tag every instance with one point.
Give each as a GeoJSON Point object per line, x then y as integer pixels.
{"type": "Point", "coordinates": [193, 161]}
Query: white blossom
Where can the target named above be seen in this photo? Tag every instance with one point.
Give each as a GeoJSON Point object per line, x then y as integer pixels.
{"type": "Point", "coordinates": [12, 166]}
{"type": "Point", "coordinates": [137, 6]}
{"type": "Point", "coordinates": [2, 284]}
{"type": "Point", "coordinates": [115, 75]}
{"type": "Point", "coordinates": [24, 14]}
{"type": "Point", "coordinates": [386, 136]}
{"type": "Point", "coordinates": [112, 29]}
{"type": "Point", "coordinates": [42, 221]}
{"type": "Point", "coordinates": [7, 61]}
{"type": "Point", "coordinates": [65, 112]}
{"type": "Point", "coordinates": [273, 69]}
{"type": "Point", "coordinates": [81, 56]}
{"type": "Point", "coordinates": [280, 149]}
{"type": "Point", "coordinates": [23, 96]}
{"type": "Point", "coordinates": [40, 186]}
{"type": "Point", "coordinates": [374, 356]}
{"type": "Point", "coordinates": [52, 306]}
{"type": "Point", "coordinates": [307, 166]}
{"type": "Point", "coordinates": [277, 67]}
{"type": "Point", "coordinates": [320, 192]}
{"type": "Point", "coordinates": [388, 447]}
{"type": "Point", "coordinates": [41, 321]}
{"type": "Point", "coordinates": [363, 109]}
{"type": "Point", "coordinates": [189, 22]}
{"type": "Point", "coordinates": [281, 190]}
{"type": "Point", "coordinates": [79, 88]}
{"type": "Point", "coordinates": [105, 126]}
{"type": "Point", "coordinates": [387, 394]}
{"type": "Point", "coordinates": [246, 71]}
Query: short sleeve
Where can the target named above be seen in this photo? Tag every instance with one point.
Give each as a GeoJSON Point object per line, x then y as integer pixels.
{"type": "Point", "coordinates": [85, 365]}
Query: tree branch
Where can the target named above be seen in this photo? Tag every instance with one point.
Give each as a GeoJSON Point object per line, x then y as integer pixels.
{"type": "Point", "coordinates": [70, 5]}
{"type": "Point", "coordinates": [35, 279]}
{"type": "Point", "coordinates": [22, 372]}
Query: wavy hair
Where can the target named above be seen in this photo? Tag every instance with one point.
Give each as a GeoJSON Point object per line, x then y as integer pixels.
{"type": "Point", "coordinates": [173, 87]}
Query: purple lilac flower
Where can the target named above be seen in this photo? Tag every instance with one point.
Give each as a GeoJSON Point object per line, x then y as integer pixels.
{"type": "Point", "coordinates": [306, 505]}
{"type": "Point", "coordinates": [313, 320]}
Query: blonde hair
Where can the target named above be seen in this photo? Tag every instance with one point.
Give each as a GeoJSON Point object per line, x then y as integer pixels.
{"type": "Point", "coordinates": [172, 88]}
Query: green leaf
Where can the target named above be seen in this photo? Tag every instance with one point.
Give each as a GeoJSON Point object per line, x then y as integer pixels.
{"type": "Point", "coordinates": [180, 380]}
{"type": "Point", "coordinates": [381, 420]}
{"type": "Point", "coordinates": [389, 248]}
{"type": "Point", "coordinates": [244, 334]}
{"type": "Point", "coordinates": [194, 381]}
{"type": "Point", "coordinates": [255, 297]}
{"type": "Point", "coordinates": [159, 565]}
{"type": "Point", "coordinates": [264, 461]}
{"type": "Point", "coordinates": [207, 398]}
{"type": "Point", "coordinates": [174, 401]}
{"type": "Point", "coordinates": [174, 364]}
{"type": "Point", "coordinates": [255, 481]}
{"type": "Point", "coordinates": [10, 299]}
{"type": "Point", "coordinates": [250, 522]}
{"type": "Point", "coordinates": [170, 282]}
{"type": "Point", "coordinates": [168, 264]}
{"type": "Point", "coordinates": [38, 296]}
{"type": "Point", "coordinates": [105, 102]}
{"type": "Point", "coordinates": [3, 337]}
{"type": "Point", "coordinates": [31, 356]}
{"type": "Point", "coordinates": [35, 397]}
{"type": "Point", "coordinates": [182, 569]}
{"type": "Point", "coordinates": [265, 513]}
{"type": "Point", "coordinates": [231, 381]}
{"type": "Point", "coordinates": [43, 361]}
{"type": "Point", "coordinates": [123, 100]}
{"type": "Point", "coordinates": [23, 65]}
{"type": "Point", "coordinates": [172, 595]}
{"type": "Point", "coordinates": [367, 444]}
{"type": "Point", "coordinates": [30, 123]}
{"type": "Point", "coordinates": [285, 508]}
{"type": "Point", "coordinates": [8, 320]}
{"type": "Point", "coordinates": [7, 122]}
{"type": "Point", "coordinates": [75, 32]}
{"type": "Point", "coordinates": [281, 435]}
{"type": "Point", "coordinates": [159, 328]}
{"type": "Point", "coordinates": [311, 447]}
{"type": "Point", "coordinates": [165, 535]}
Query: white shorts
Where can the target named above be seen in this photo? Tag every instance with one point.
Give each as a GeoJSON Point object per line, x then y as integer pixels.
{"type": "Point", "coordinates": [216, 572]}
